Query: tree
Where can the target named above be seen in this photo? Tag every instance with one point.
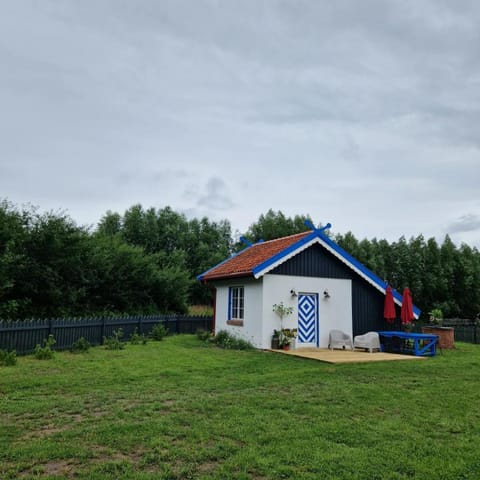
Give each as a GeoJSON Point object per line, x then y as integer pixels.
{"type": "Point", "coordinates": [130, 280]}
{"type": "Point", "coordinates": [146, 261]}
{"type": "Point", "coordinates": [191, 246]}
{"type": "Point", "coordinates": [11, 255]}
{"type": "Point", "coordinates": [44, 260]}
{"type": "Point", "coordinates": [110, 224]}
{"type": "Point", "coordinates": [448, 255]}
{"type": "Point", "coordinates": [275, 225]}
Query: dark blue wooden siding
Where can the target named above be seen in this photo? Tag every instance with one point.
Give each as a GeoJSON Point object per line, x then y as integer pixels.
{"type": "Point", "coordinates": [367, 301]}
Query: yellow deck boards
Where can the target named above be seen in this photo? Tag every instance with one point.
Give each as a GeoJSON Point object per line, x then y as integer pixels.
{"type": "Point", "coordinates": [345, 356]}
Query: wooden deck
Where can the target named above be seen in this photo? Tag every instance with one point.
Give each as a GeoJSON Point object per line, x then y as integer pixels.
{"type": "Point", "coordinates": [345, 356]}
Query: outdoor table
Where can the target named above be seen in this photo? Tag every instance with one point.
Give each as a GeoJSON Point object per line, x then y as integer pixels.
{"type": "Point", "coordinates": [419, 344]}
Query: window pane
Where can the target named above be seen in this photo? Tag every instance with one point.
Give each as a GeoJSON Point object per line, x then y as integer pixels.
{"type": "Point", "coordinates": [237, 302]}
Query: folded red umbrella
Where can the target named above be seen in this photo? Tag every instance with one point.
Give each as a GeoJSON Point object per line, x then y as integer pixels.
{"type": "Point", "coordinates": [406, 313]}
{"type": "Point", "coordinates": [389, 313]}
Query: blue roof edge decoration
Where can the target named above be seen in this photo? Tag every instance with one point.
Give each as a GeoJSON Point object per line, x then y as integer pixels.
{"type": "Point", "coordinates": [380, 284]}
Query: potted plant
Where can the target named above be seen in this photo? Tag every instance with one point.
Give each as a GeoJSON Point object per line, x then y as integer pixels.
{"type": "Point", "coordinates": [283, 340]}
{"type": "Point", "coordinates": [436, 317]}
{"type": "Point", "coordinates": [282, 311]}
{"type": "Point", "coordinates": [446, 335]}
{"type": "Point", "coordinates": [291, 334]}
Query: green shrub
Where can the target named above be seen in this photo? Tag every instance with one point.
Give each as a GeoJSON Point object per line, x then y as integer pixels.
{"type": "Point", "coordinates": [224, 339]}
{"type": "Point", "coordinates": [159, 332]}
{"type": "Point", "coordinates": [45, 352]}
{"type": "Point", "coordinates": [204, 335]}
{"type": "Point", "coordinates": [114, 342]}
{"type": "Point", "coordinates": [8, 359]}
{"type": "Point", "coordinates": [136, 338]}
{"type": "Point", "coordinates": [80, 346]}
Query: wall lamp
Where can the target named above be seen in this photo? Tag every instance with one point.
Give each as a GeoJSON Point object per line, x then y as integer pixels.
{"type": "Point", "coordinates": [293, 293]}
{"type": "Point", "coordinates": [326, 294]}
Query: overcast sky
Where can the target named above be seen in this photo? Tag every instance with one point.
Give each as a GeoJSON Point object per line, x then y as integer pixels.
{"type": "Point", "coordinates": [362, 113]}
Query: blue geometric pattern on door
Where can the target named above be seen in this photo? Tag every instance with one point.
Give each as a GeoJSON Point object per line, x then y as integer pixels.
{"type": "Point", "coordinates": [307, 318]}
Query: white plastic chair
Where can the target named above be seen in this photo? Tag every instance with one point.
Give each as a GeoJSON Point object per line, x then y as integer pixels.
{"type": "Point", "coordinates": [370, 341]}
{"type": "Point", "coordinates": [339, 339]}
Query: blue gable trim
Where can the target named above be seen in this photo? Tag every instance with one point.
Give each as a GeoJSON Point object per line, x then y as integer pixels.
{"type": "Point", "coordinates": [368, 273]}
{"type": "Point", "coordinates": [259, 270]}
{"type": "Point", "coordinates": [283, 253]}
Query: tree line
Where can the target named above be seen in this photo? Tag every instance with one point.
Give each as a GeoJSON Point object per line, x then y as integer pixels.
{"type": "Point", "coordinates": [146, 261]}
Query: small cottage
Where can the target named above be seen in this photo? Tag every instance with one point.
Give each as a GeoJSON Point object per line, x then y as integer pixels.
{"type": "Point", "coordinates": [325, 286]}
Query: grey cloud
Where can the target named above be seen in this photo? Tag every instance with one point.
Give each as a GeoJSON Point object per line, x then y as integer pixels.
{"type": "Point", "coordinates": [216, 196]}
{"type": "Point", "coordinates": [465, 223]}
{"type": "Point", "coordinates": [124, 100]}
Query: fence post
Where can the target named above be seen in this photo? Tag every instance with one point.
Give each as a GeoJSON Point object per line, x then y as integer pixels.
{"type": "Point", "coordinates": [102, 331]}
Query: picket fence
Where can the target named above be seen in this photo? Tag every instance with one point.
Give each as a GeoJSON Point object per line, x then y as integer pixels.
{"type": "Point", "coordinates": [23, 335]}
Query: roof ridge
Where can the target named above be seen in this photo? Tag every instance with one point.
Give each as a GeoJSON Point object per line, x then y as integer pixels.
{"type": "Point", "coordinates": [283, 238]}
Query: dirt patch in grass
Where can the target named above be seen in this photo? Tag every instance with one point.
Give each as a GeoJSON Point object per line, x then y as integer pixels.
{"type": "Point", "coordinates": [58, 467]}
{"type": "Point", "coordinates": [45, 431]}
{"type": "Point", "coordinates": [51, 429]}
{"type": "Point", "coordinates": [98, 412]}
{"type": "Point", "coordinates": [61, 468]}
{"type": "Point", "coordinates": [76, 417]}
{"type": "Point", "coordinates": [104, 455]}
{"type": "Point", "coordinates": [207, 467]}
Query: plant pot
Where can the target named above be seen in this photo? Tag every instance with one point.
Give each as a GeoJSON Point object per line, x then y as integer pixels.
{"type": "Point", "coordinates": [285, 347]}
{"type": "Point", "coordinates": [446, 335]}
{"type": "Point", "coordinates": [275, 344]}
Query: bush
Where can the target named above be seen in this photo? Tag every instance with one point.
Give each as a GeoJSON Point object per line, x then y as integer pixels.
{"type": "Point", "coordinates": [159, 332]}
{"type": "Point", "coordinates": [8, 359]}
{"type": "Point", "coordinates": [45, 352]}
{"type": "Point", "coordinates": [224, 339]}
{"type": "Point", "coordinates": [114, 342]}
{"type": "Point", "coordinates": [80, 346]}
{"type": "Point", "coordinates": [204, 335]}
{"type": "Point", "coordinates": [136, 338]}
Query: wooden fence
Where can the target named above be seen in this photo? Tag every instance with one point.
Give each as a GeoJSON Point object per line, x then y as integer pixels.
{"type": "Point", "coordinates": [466, 330]}
{"type": "Point", "coordinates": [23, 335]}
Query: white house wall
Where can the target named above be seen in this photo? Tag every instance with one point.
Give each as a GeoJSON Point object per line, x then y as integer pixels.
{"type": "Point", "coordinates": [252, 322]}
{"type": "Point", "coordinates": [334, 312]}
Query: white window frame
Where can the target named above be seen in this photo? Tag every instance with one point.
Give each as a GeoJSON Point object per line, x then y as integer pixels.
{"type": "Point", "coordinates": [236, 302]}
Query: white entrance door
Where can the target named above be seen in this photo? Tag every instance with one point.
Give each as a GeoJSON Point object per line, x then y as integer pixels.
{"type": "Point", "coordinates": [308, 334]}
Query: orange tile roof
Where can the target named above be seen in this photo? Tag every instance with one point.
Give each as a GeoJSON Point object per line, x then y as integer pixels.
{"type": "Point", "coordinates": [244, 262]}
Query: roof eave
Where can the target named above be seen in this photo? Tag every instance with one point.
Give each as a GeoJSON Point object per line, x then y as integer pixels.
{"type": "Point", "coordinates": [202, 276]}
{"type": "Point", "coordinates": [227, 276]}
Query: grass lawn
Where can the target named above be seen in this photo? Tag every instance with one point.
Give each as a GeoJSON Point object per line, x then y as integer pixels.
{"type": "Point", "coordinates": [178, 409]}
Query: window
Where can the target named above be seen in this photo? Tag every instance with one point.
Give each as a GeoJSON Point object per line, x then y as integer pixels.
{"type": "Point", "coordinates": [236, 303]}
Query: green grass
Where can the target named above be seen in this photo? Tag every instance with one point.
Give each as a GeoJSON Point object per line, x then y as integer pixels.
{"type": "Point", "coordinates": [178, 409]}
